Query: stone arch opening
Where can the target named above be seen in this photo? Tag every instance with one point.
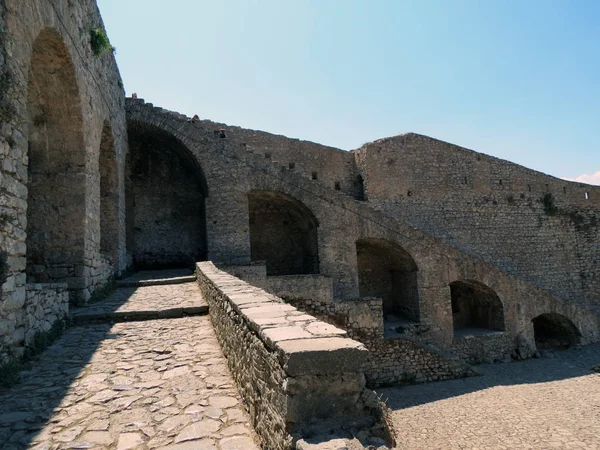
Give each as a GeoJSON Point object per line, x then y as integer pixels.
{"type": "Point", "coordinates": [359, 188]}
{"type": "Point", "coordinates": [387, 271]}
{"type": "Point", "coordinates": [109, 197]}
{"type": "Point", "coordinates": [57, 162]}
{"type": "Point", "coordinates": [165, 205]}
{"type": "Point", "coordinates": [555, 331]}
{"type": "Point", "coordinates": [283, 233]}
{"type": "Point", "coordinates": [475, 308]}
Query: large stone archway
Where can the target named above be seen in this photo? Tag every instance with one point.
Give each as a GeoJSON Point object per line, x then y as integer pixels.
{"type": "Point", "coordinates": [166, 192]}
{"type": "Point", "coordinates": [57, 163]}
{"type": "Point", "coordinates": [283, 233]}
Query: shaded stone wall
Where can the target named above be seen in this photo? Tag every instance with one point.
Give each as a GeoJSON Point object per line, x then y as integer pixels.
{"type": "Point", "coordinates": [56, 97]}
{"type": "Point", "coordinates": [38, 310]}
{"type": "Point", "coordinates": [283, 233]}
{"type": "Point", "coordinates": [166, 205]}
{"type": "Point", "coordinates": [44, 305]}
{"type": "Point", "coordinates": [475, 305]}
{"type": "Point", "coordinates": [389, 274]}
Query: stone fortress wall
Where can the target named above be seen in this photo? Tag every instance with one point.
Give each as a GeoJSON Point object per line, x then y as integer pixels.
{"type": "Point", "coordinates": [538, 227]}
{"type": "Point", "coordinates": [237, 174]}
{"type": "Point", "coordinates": [460, 257]}
{"type": "Point", "coordinates": [62, 144]}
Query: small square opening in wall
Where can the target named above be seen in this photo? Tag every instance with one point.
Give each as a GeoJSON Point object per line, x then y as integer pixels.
{"type": "Point", "coordinates": [267, 156]}
{"type": "Point", "coordinates": [314, 176]}
{"type": "Point", "coordinates": [292, 165]}
{"type": "Point", "coordinates": [337, 186]}
{"type": "Point", "coordinates": [586, 195]}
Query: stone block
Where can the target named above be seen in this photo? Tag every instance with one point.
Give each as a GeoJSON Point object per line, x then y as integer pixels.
{"type": "Point", "coordinates": [321, 356]}
{"type": "Point", "coordinates": [283, 333]}
{"type": "Point", "coordinates": [9, 286]}
{"type": "Point", "coordinates": [15, 300]}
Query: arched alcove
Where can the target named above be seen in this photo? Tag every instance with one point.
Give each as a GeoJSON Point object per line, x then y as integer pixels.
{"type": "Point", "coordinates": [554, 331]}
{"type": "Point", "coordinates": [166, 192]}
{"type": "Point", "coordinates": [475, 307]}
{"type": "Point", "coordinates": [359, 188]}
{"type": "Point", "coordinates": [387, 271]}
{"type": "Point", "coordinates": [109, 197]}
{"type": "Point", "coordinates": [57, 164]}
{"type": "Point", "coordinates": [283, 232]}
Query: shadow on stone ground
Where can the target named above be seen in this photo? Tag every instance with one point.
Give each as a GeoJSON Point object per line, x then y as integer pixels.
{"type": "Point", "coordinates": [26, 408]}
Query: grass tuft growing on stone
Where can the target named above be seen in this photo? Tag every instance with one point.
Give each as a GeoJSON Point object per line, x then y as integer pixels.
{"type": "Point", "coordinates": [99, 42]}
{"type": "Point", "coordinates": [549, 205]}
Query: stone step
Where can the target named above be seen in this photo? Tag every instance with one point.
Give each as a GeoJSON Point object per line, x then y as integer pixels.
{"type": "Point", "coordinates": [156, 281]}
{"type": "Point", "coordinates": [83, 317]}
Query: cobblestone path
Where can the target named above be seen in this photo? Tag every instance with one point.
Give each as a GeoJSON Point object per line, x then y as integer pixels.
{"type": "Point", "coordinates": [535, 404]}
{"type": "Point", "coordinates": [156, 384]}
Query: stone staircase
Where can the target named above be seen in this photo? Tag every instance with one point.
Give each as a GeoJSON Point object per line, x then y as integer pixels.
{"type": "Point", "coordinates": [147, 295]}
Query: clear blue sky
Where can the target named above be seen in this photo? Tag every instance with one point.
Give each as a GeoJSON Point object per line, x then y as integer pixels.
{"type": "Point", "coordinates": [515, 79]}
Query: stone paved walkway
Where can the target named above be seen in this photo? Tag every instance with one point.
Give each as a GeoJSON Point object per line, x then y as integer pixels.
{"type": "Point", "coordinates": [146, 302]}
{"type": "Point", "coordinates": [158, 384]}
{"type": "Point", "coordinates": [534, 404]}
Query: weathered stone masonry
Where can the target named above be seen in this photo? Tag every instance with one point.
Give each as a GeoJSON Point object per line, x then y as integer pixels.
{"type": "Point", "coordinates": [235, 173]}
{"type": "Point", "coordinates": [467, 256]}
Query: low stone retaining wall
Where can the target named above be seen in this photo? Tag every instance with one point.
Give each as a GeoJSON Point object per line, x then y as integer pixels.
{"type": "Point", "coordinates": [44, 305]}
{"type": "Point", "coordinates": [293, 371]}
{"type": "Point", "coordinates": [395, 361]}
{"type": "Point", "coordinates": [31, 309]}
{"type": "Point", "coordinates": [403, 361]}
{"type": "Point", "coordinates": [486, 348]}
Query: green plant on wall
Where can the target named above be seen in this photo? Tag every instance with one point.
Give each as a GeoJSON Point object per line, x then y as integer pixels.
{"type": "Point", "coordinates": [99, 42]}
{"type": "Point", "coordinates": [549, 206]}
